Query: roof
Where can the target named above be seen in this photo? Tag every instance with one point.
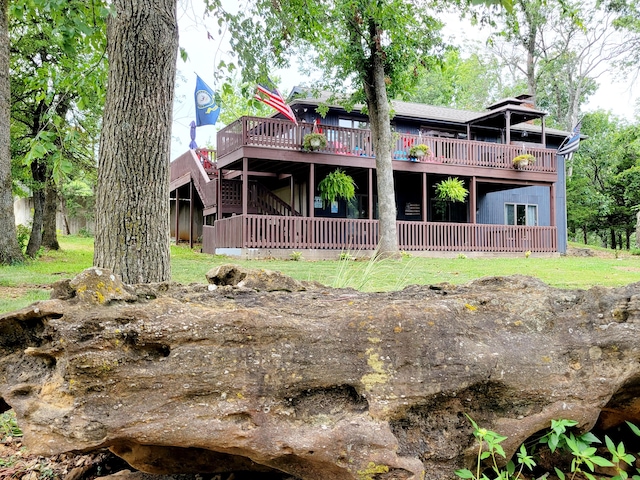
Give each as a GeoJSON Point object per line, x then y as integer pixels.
{"type": "Point", "coordinates": [411, 110]}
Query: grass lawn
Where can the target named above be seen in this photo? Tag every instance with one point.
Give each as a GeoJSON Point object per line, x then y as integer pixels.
{"type": "Point", "coordinates": [21, 285]}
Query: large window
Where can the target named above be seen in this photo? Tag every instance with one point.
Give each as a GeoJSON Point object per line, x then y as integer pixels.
{"type": "Point", "coordinates": [520, 214]}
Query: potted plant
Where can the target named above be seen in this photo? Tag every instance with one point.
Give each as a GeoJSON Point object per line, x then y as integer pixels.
{"type": "Point", "coordinates": [451, 190]}
{"type": "Point", "coordinates": [418, 151]}
{"type": "Point", "coordinates": [314, 141]}
{"type": "Point", "coordinates": [524, 160]}
{"type": "Point", "coordinates": [337, 185]}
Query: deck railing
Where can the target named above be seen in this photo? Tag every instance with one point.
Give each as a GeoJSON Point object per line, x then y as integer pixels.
{"type": "Point", "coordinates": [267, 231]}
{"type": "Point", "coordinates": [283, 134]}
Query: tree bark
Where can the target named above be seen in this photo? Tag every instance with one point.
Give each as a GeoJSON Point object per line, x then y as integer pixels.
{"type": "Point", "coordinates": [49, 233]}
{"type": "Point", "coordinates": [380, 124]}
{"type": "Point", "coordinates": [10, 251]}
{"type": "Point", "coordinates": [38, 172]}
{"type": "Point", "coordinates": [132, 198]}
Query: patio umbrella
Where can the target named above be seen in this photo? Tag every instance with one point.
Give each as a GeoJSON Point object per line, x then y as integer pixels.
{"type": "Point", "coordinates": [193, 145]}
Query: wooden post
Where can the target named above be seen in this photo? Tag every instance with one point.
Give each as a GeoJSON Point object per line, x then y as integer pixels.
{"type": "Point", "coordinates": [245, 186]}
{"type": "Point", "coordinates": [245, 200]}
{"type": "Point", "coordinates": [191, 202]}
{"type": "Point", "coordinates": [472, 201]}
{"type": "Point", "coordinates": [312, 189]}
{"type": "Point", "coordinates": [371, 194]}
{"type": "Point", "coordinates": [544, 135]}
{"type": "Point", "coordinates": [177, 215]}
{"type": "Point", "coordinates": [425, 197]}
{"type": "Point", "coordinates": [507, 116]}
{"type": "Point", "coordinates": [292, 198]}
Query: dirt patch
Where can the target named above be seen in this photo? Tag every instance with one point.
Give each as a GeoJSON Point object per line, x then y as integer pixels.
{"type": "Point", "coordinates": [18, 463]}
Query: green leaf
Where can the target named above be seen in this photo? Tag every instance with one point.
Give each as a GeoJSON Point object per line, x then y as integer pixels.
{"type": "Point", "coordinates": [589, 476]}
{"type": "Point", "coordinates": [589, 438]}
{"type": "Point", "coordinates": [633, 428]}
{"type": "Point", "coordinates": [464, 473]}
{"type": "Point", "coordinates": [183, 54]}
{"type": "Point", "coordinates": [601, 461]}
{"type": "Point", "coordinates": [559, 473]}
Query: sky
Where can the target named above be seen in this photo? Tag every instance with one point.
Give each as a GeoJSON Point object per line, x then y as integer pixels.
{"type": "Point", "coordinates": [615, 94]}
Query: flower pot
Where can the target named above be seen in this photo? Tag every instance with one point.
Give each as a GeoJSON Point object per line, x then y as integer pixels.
{"type": "Point", "coordinates": [522, 163]}
{"type": "Point", "coordinates": [314, 142]}
{"type": "Point", "coordinates": [419, 154]}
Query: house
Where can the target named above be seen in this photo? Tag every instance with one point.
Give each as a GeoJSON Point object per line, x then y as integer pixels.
{"type": "Point", "coordinates": [259, 195]}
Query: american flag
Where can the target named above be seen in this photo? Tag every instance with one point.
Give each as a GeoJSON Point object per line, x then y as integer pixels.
{"type": "Point", "coordinates": [270, 95]}
{"type": "Point", "coordinates": [572, 142]}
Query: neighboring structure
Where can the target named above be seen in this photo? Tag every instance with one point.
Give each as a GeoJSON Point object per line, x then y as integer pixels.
{"type": "Point", "coordinates": [259, 194]}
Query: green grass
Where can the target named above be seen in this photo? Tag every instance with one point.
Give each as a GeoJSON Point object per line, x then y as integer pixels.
{"type": "Point", "coordinates": [27, 281]}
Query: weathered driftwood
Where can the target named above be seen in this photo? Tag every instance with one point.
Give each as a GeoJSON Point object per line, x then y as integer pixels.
{"type": "Point", "coordinates": [317, 383]}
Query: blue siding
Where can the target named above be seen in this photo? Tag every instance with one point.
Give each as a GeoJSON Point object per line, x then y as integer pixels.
{"type": "Point", "coordinates": [491, 205]}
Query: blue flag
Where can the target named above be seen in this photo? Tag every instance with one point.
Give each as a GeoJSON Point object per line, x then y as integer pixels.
{"type": "Point", "coordinates": [207, 111]}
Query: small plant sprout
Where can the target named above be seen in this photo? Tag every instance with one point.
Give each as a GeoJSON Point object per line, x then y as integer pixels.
{"type": "Point", "coordinates": [295, 256]}
{"type": "Point", "coordinates": [489, 448]}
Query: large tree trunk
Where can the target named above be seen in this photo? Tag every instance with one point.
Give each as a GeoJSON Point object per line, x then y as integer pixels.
{"type": "Point", "coordinates": [49, 233]}
{"type": "Point", "coordinates": [380, 124]}
{"type": "Point", "coordinates": [9, 248]}
{"type": "Point", "coordinates": [38, 172]}
{"type": "Point", "coordinates": [132, 209]}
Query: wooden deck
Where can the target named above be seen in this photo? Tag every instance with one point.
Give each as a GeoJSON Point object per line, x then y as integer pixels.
{"type": "Point", "coordinates": [278, 232]}
{"type": "Point", "coordinates": [284, 135]}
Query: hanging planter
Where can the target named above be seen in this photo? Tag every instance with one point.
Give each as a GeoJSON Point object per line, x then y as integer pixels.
{"type": "Point", "coordinates": [337, 185]}
{"type": "Point", "coordinates": [524, 160]}
{"type": "Point", "coordinates": [418, 151]}
{"type": "Point", "coordinates": [451, 190]}
{"type": "Point", "coordinates": [314, 141]}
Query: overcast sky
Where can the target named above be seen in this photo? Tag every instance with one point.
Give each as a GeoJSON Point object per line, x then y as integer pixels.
{"type": "Point", "coordinates": [205, 53]}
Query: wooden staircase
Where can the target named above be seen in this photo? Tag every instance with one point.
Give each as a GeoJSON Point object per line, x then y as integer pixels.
{"type": "Point", "coordinates": [199, 167]}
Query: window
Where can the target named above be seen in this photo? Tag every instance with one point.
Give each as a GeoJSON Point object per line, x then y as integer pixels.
{"type": "Point", "coordinates": [350, 123]}
{"type": "Point", "coordinates": [520, 214]}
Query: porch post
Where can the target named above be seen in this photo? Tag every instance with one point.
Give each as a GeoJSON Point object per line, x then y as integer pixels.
{"type": "Point", "coordinates": [425, 198]}
{"type": "Point", "coordinates": [245, 186]}
{"type": "Point", "coordinates": [292, 198]}
{"type": "Point", "coordinates": [219, 196]}
{"type": "Point", "coordinates": [544, 135]}
{"type": "Point", "coordinates": [312, 189]}
{"type": "Point", "coordinates": [245, 200]}
{"type": "Point", "coordinates": [507, 115]}
{"type": "Point", "coordinates": [552, 205]}
{"type": "Point", "coordinates": [370, 193]}
{"type": "Point", "coordinates": [469, 149]}
{"type": "Point", "coordinates": [191, 214]}
{"type": "Point", "coordinates": [472, 200]}
{"type": "Point", "coordinates": [177, 215]}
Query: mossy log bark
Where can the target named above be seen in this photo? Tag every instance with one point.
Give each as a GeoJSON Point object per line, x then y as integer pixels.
{"type": "Point", "coordinates": [314, 382]}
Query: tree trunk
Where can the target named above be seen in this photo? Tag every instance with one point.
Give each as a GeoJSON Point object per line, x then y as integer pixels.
{"type": "Point", "coordinates": [9, 248]}
{"type": "Point", "coordinates": [613, 239]}
{"type": "Point", "coordinates": [49, 233]}
{"type": "Point", "coordinates": [585, 234]}
{"type": "Point", "coordinates": [38, 172]}
{"type": "Point", "coordinates": [132, 197]}
{"type": "Point", "coordinates": [380, 123]}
